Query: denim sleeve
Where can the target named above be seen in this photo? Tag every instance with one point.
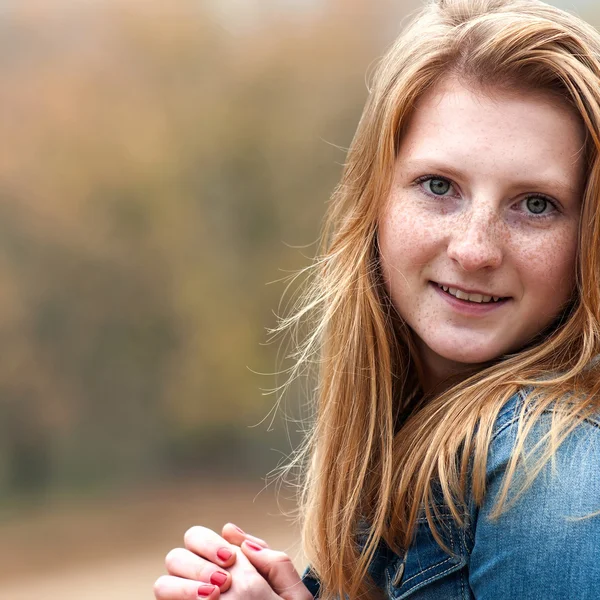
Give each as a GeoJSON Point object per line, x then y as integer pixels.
{"type": "Point", "coordinates": [538, 548]}
{"type": "Point", "coordinates": [311, 582]}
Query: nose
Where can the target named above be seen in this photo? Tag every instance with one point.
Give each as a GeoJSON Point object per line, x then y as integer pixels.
{"type": "Point", "coordinates": [476, 240]}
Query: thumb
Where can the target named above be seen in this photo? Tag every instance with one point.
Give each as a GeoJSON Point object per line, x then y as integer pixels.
{"type": "Point", "coordinates": [277, 568]}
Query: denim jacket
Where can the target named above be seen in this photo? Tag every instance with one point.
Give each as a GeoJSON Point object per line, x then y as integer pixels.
{"type": "Point", "coordinates": [537, 549]}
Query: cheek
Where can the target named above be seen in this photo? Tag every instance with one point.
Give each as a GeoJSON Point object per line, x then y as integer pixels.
{"type": "Point", "coordinates": [548, 267]}
{"type": "Point", "coordinates": [407, 238]}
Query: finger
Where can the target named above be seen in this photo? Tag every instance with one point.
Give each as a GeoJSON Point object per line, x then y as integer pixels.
{"type": "Point", "coordinates": [277, 568]}
{"type": "Point", "coordinates": [247, 583]}
{"type": "Point", "coordinates": [209, 545]}
{"type": "Point", "coordinates": [235, 535]}
{"type": "Point", "coordinates": [183, 563]}
{"type": "Point", "coordinates": [176, 588]}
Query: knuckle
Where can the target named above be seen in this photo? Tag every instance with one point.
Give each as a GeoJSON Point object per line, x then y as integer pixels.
{"type": "Point", "coordinates": [203, 571]}
{"type": "Point", "coordinates": [249, 582]}
{"type": "Point", "coordinates": [279, 561]}
{"type": "Point", "coordinates": [280, 557]}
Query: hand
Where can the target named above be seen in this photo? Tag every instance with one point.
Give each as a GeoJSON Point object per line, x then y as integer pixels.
{"type": "Point", "coordinates": [238, 564]}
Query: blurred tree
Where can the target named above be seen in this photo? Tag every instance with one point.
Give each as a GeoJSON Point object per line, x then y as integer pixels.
{"type": "Point", "coordinates": [156, 167]}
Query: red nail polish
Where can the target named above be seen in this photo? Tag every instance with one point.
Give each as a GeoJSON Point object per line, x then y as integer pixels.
{"type": "Point", "coordinates": [205, 590]}
{"type": "Point", "coordinates": [224, 554]}
{"type": "Point", "coordinates": [218, 578]}
{"type": "Point", "coordinates": [252, 546]}
{"type": "Point", "coordinates": [240, 530]}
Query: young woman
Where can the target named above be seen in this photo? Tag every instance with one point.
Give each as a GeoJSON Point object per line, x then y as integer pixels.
{"type": "Point", "coordinates": [455, 451]}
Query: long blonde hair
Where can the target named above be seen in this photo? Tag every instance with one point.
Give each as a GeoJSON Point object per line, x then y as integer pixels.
{"type": "Point", "coordinates": [359, 464]}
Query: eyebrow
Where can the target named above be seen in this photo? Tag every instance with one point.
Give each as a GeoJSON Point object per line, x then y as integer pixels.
{"type": "Point", "coordinates": [530, 184]}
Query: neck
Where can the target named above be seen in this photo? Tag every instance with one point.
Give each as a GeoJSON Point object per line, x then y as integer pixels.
{"type": "Point", "coordinates": [437, 374]}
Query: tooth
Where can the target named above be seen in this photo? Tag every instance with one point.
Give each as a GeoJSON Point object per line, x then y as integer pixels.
{"type": "Point", "coordinates": [496, 298]}
{"type": "Point", "coordinates": [486, 298]}
{"type": "Point", "coordinates": [452, 291]}
{"type": "Point", "coordinates": [462, 295]}
{"type": "Point", "coordinates": [445, 288]}
{"type": "Point", "coordinates": [475, 297]}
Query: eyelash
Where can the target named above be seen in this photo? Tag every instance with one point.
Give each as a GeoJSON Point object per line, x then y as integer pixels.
{"type": "Point", "coordinates": [551, 201]}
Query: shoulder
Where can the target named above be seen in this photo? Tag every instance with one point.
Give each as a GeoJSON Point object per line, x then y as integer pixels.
{"type": "Point", "coordinates": [546, 538]}
{"type": "Point", "coordinates": [585, 436]}
{"type": "Point", "coordinates": [572, 472]}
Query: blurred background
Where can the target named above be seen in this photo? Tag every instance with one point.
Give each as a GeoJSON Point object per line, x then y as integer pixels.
{"type": "Point", "coordinates": [163, 166]}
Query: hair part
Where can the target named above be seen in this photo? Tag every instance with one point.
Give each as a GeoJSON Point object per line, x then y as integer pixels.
{"type": "Point", "coordinates": [359, 465]}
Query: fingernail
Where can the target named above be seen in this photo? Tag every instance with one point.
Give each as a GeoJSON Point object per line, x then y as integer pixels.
{"type": "Point", "coordinates": [224, 554]}
{"type": "Point", "coordinates": [240, 530]}
{"type": "Point", "coordinates": [218, 578]}
{"type": "Point", "coordinates": [252, 546]}
{"type": "Point", "coordinates": [205, 590]}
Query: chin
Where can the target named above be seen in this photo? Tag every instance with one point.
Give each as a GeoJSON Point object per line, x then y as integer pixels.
{"type": "Point", "coordinates": [467, 352]}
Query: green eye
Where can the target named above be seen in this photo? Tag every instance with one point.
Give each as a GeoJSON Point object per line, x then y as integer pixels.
{"type": "Point", "coordinates": [434, 185]}
{"type": "Point", "coordinates": [537, 205]}
{"type": "Point", "coordinates": [439, 187]}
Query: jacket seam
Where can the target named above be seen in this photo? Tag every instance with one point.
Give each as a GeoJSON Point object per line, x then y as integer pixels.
{"type": "Point", "coordinates": [437, 564]}
{"type": "Point", "coordinates": [389, 582]}
{"type": "Point", "coordinates": [437, 575]}
{"type": "Point", "coordinates": [427, 569]}
{"type": "Point", "coordinates": [462, 586]}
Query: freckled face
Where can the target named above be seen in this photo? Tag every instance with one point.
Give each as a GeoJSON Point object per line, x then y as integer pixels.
{"type": "Point", "coordinates": [485, 205]}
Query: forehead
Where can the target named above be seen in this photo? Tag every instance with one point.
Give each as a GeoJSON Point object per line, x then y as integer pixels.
{"type": "Point", "coordinates": [497, 131]}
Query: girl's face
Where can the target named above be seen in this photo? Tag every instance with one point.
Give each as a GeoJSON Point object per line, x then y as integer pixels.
{"type": "Point", "coordinates": [479, 235]}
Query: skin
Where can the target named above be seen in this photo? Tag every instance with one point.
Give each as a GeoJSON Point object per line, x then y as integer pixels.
{"type": "Point", "coordinates": [254, 571]}
{"type": "Point", "coordinates": [493, 151]}
{"type": "Point", "coordinates": [473, 225]}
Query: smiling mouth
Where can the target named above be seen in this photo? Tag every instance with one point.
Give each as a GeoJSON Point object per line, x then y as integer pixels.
{"type": "Point", "coordinates": [470, 297]}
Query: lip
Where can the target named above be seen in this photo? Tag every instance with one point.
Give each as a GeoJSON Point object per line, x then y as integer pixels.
{"type": "Point", "coordinates": [469, 308]}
